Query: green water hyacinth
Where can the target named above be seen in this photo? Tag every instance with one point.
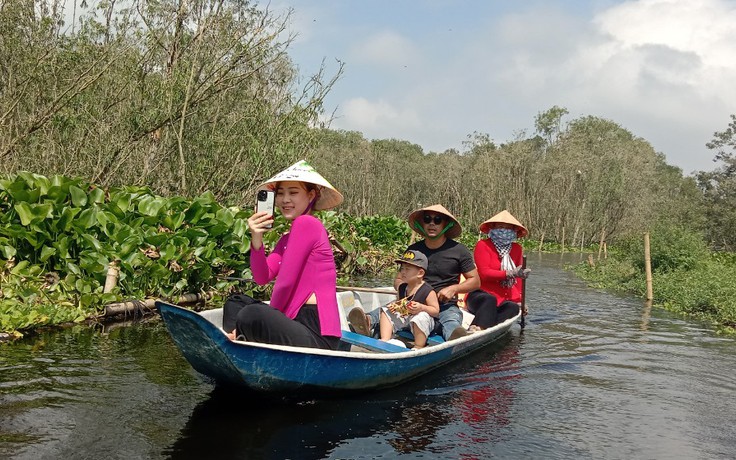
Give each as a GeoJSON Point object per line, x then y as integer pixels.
{"type": "Point", "coordinates": [164, 247]}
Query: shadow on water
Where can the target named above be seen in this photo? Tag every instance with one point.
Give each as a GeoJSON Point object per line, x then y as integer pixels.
{"type": "Point", "coordinates": [403, 419]}
{"type": "Point", "coordinates": [235, 427]}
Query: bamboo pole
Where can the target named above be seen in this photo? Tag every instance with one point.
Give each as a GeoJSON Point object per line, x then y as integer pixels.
{"type": "Point", "coordinates": [130, 306]}
{"type": "Point", "coordinates": [648, 267]}
{"type": "Point", "coordinates": [603, 240]}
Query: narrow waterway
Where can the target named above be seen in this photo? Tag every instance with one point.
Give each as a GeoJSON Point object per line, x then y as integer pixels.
{"type": "Point", "coordinates": [593, 375]}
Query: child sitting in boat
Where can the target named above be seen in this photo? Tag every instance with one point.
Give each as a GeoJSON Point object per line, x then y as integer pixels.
{"type": "Point", "coordinates": [417, 305]}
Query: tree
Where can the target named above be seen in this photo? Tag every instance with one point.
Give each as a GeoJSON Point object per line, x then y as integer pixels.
{"type": "Point", "coordinates": [549, 123]}
{"type": "Point", "coordinates": [182, 95]}
{"type": "Point", "coordinates": [719, 189]}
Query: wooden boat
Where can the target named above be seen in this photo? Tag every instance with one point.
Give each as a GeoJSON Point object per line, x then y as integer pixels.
{"type": "Point", "coordinates": [364, 363]}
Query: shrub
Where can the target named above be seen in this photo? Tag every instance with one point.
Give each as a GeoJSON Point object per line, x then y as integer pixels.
{"type": "Point", "coordinates": [671, 248]}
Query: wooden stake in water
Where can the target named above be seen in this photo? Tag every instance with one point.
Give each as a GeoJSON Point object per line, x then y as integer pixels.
{"type": "Point", "coordinates": [648, 267]}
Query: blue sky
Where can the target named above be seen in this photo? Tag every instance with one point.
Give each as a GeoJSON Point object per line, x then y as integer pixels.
{"type": "Point", "coordinates": [433, 72]}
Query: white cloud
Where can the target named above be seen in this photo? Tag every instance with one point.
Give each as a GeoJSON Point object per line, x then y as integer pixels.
{"type": "Point", "coordinates": [668, 67]}
{"type": "Point", "coordinates": [376, 117]}
{"type": "Point", "coordinates": [663, 69]}
{"type": "Point", "coordinates": [678, 41]}
{"type": "Point", "coordinates": [385, 49]}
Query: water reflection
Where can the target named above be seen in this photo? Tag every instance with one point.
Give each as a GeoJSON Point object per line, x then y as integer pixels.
{"type": "Point", "coordinates": [417, 426]}
{"type": "Point", "coordinates": [646, 313]}
{"type": "Point", "coordinates": [475, 393]}
{"type": "Point", "coordinates": [235, 426]}
{"type": "Point", "coordinates": [78, 391]}
{"type": "Point", "coordinates": [485, 407]}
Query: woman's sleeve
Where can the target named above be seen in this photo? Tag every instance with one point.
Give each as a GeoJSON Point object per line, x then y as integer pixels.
{"type": "Point", "coordinates": [263, 268]}
{"type": "Point", "coordinates": [489, 266]}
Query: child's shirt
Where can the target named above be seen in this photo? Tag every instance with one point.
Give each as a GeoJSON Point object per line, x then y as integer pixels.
{"type": "Point", "coordinates": [419, 296]}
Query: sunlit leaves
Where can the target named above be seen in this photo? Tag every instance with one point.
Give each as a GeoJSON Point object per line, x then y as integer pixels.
{"type": "Point", "coordinates": [77, 234]}
{"type": "Point", "coordinates": [31, 213]}
{"type": "Point", "coordinates": [79, 198]}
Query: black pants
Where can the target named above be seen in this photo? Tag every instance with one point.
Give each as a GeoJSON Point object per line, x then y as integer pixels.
{"type": "Point", "coordinates": [258, 322]}
{"type": "Point", "coordinates": [487, 313]}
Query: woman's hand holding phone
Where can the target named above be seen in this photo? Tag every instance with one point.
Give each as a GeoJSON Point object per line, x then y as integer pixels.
{"type": "Point", "coordinates": [262, 219]}
{"type": "Point", "coordinates": [258, 224]}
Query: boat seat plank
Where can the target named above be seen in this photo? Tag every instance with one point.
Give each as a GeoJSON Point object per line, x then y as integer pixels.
{"type": "Point", "coordinates": [370, 343]}
{"type": "Point", "coordinates": [431, 340]}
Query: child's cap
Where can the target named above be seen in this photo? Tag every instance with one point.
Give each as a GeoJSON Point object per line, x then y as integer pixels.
{"type": "Point", "coordinates": [415, 258]}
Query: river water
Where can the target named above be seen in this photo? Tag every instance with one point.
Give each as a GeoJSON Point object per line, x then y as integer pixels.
{"type": "Point", "coordinates": [593, 375]}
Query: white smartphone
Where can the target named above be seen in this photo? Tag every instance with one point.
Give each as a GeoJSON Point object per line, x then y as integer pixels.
{"type": "Point", "coordinates": [265, 202]}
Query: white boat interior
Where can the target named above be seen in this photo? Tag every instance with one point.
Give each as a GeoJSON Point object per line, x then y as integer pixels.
{"type": "Point", "coordinates": [346, 301]}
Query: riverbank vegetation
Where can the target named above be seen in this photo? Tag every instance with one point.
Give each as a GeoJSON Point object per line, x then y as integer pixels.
{"type": "Point", "coordinates": [58, 237]}
{"type": "Point", "coordinates": [693, 264]}
{"type": "Point", "coordinates": [687, 277]}
{"type": "Point", "coordinates": [147, 126]}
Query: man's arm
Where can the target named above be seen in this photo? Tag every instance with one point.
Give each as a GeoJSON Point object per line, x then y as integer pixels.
{"type": "Point", "coordinates": [471, 283]}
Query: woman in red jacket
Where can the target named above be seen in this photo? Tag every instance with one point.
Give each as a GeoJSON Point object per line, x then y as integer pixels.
{"type": "Point", "coordinates": [499, 260]}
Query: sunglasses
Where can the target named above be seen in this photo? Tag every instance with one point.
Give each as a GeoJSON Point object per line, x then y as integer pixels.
{"type": "Point", "coordinates": [436, 219]}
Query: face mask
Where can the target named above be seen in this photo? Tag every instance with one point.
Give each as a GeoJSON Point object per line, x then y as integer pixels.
{"type": "Point", "coordinates": [502, 235]}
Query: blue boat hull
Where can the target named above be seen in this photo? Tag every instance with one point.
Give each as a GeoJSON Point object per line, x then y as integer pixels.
{"type": "Point", "coordinates": [282, 369]}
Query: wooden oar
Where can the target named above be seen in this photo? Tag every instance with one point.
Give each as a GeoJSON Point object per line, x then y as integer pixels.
{"type": "Point", "coordinates": [339, 288]}
{"type": "Point", "coordinates": [523, 294]}
{"type": "Point", "coordinates": [361, 289]}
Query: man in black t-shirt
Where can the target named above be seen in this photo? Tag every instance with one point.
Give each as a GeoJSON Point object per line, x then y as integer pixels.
{"type": "Point", "coordinates": [447, 259]}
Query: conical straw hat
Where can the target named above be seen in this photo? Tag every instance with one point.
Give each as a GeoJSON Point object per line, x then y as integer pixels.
{"type": "Point", "coordinates": [302, 171]}
{"type": "Point", "coordinates": [452, 233]}
{"type": "Point", "coordinates": [504, 217]}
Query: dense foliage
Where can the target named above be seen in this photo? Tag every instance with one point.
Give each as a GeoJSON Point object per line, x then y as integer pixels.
{"type": "Point", "coordinates": [591, 181]}
{"type": "Point", "coordinates": [184, 97]}
{"type": "Point", "coordinates": [719, 189]}
{"type": "Point", "coordinates": [198, 102]}
{"type": "Point", "coordinates": [58, 235]}
{"type": "Point", "coordinates": [687, 277]}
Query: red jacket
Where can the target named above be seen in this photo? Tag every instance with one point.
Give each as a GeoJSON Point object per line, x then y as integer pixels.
{"type": "Point", "coordinates": [489, 268]}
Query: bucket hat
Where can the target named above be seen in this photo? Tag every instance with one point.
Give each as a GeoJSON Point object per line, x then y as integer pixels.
{"type": "Point", "coordinates": [453, 232]}
{"type": "Point", "coordinates": [302, 171]}
{"type": "Point", "coordinates": [504, 217]}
